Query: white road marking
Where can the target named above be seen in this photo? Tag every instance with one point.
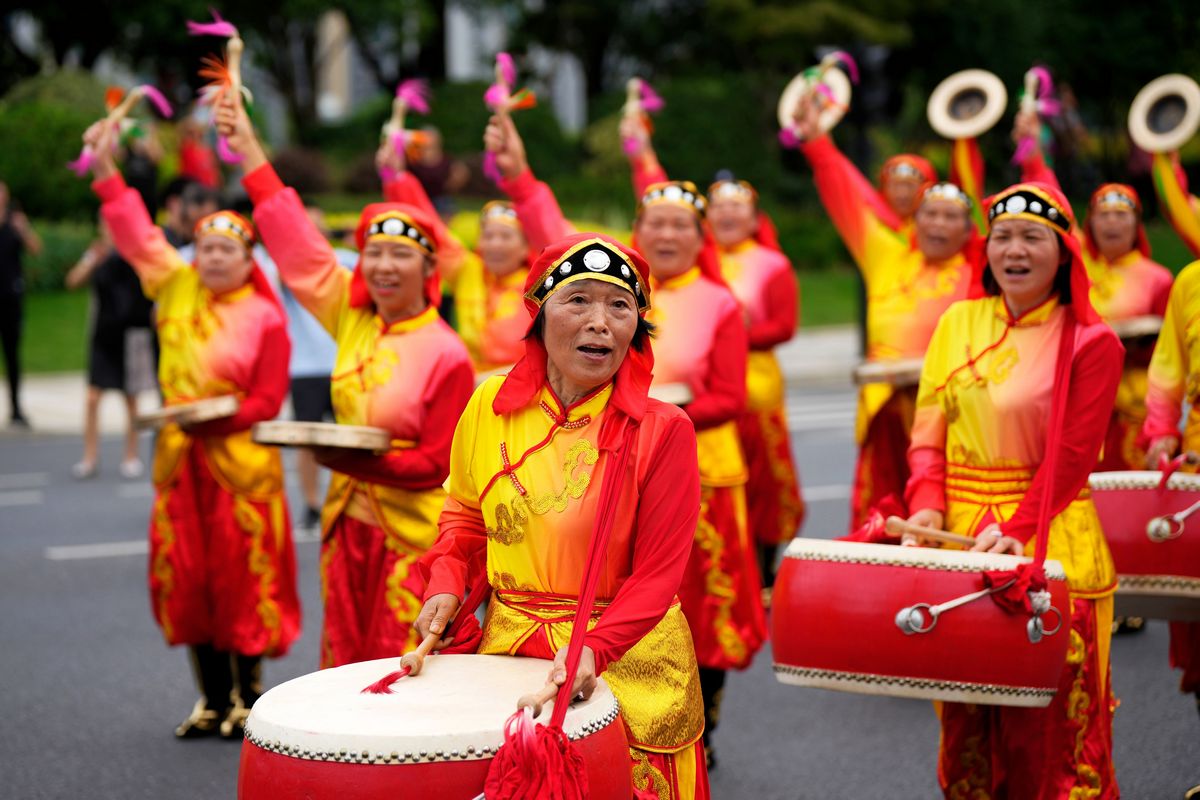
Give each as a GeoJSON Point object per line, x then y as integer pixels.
{"type": "Point", "coordinates": [26, 497]}
{"type": "Point", "coordinates": [817, 494]}
{"type": "Point", "coordinates": [24, 480]}
{"type": "Point", "coordinates": [138, 547]}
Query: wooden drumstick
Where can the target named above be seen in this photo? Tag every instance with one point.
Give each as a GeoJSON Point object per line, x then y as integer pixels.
{"type": "Point", "coordinates": [633, 98]}
{"type": "Point", "coordinates": [125, 106]}
{"type": "Point", "coordinates": [233, 63]}
{"type": "Point", "coordinates": [537, 700]}
{"type": "Point", "coordinates": [900, 527]}
{"type": "Point", "coordinates": [415, 660]}
{"type": "Point", "coordinates": [502, 109]}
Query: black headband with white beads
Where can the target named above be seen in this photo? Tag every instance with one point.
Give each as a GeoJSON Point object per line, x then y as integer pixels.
{"type": "Point", "coordinates": [592, 259]}
{"type": "Point", "coordinates": [1031, 205]}
{"type": "Point", "coordinates": [679, 193]}
{"type": "Point", "coordinates": [398, 228]}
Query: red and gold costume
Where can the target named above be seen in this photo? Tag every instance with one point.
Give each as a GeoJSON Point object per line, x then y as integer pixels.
{"type": "Point", "coordinates": [906, 295]}
{"type": "Point", "coordinates": [763, 281]}
{"type": "Point", "coordinates": [1174, 379]}
{"type": "Point", "coordinates": [412, 377]}
{"type": "Point", "coordinates": [978, 447]}
{"type": "Point", "coordinates": [1179, 206]}
{"type": "Point", "coordinates": [524, 487]}
{"type": "Point", "coordinates": [222, 567]}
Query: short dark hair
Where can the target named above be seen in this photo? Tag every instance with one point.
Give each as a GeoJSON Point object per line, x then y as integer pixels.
{"type": "Point", "coordinates": [1062, 279]}
{"type": "Point", "coordinates": [644, 332]}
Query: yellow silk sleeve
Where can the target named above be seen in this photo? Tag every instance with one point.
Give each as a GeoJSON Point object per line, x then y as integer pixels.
{"type": "Point", "coordinates": [462, 484]}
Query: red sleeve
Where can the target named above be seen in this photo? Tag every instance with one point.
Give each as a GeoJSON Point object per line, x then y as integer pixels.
{"type": "Point", "coordinates": [1162, 291]}
{"type": "Point", "coordinates": [1035, 169]}
{"type": "Point", "coordinates": [266, 391]}
{"type": "Point", "coordinates": [667, 511]}
{"type": "Point", "coordinates": [426, 465]}
{"type": "Point", "coordinates": [926, 487]}
{"type": "Point", "coordinates": [646, 170]}
{"type": "Point", "coordinates": [405, 188]}
{"type": "Point", "coordinates": [460, 551]}
{"type": "Point", "coordinates": [537, 208]}
{"type": "Point", "coordinates": [725, 395]}
{"type": "Point", "coordinates": [780, 324]}
{"type": "Point", "coordinates": [1095, 373]}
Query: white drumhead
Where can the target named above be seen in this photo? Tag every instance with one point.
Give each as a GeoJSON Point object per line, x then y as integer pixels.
{"type": "Point", "coordinates": [288, 433]}
{"type": "Point", "coordinates": [677, 394]}
{"type": "Point", "coordinates": [1162, 89]}
{"type": "Point", "coordinates": [203, 410]}
{"type": "Point", "coordinates": [839, 86]}
{"type": "Point", "coordinates": [454, 710]}
{"type": "Point", "coordinates": [919, 557]}
{"type": "Point", "coordinates": [993, 99]}
{"type": "Point", "coordinates": [1134, 327]}
{"type": "Point", "coordinates": [1142, 479]}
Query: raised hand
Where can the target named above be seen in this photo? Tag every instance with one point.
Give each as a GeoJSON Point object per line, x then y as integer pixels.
{"type": "Point", "coordinates": [501, 138]}
{"type": "Point", "coordinates": [234, 124]}
{"type": "Point", "coordinates": [101, 136]}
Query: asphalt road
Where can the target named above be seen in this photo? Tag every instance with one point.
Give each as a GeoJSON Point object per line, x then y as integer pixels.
{"type": "Point", "coordinates": [90, 693]}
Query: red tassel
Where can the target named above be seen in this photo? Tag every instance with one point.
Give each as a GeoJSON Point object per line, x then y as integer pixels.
{"type": "Point", "coordinates": [384, 684]}
{"type": "Point", "coordinates": [536, 762]}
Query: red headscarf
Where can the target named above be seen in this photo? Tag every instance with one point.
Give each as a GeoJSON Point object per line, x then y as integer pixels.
{"type": "Point", "coordinates": [528, 376]}
{"type": "Point", "coordinates": [1121, 195]}
{"type": "Point", "coordinates": [234, 226]}
{"type": "Point", "coordinates": [921, 165]}
{"type": "Point", "coordinates": [1045, 205]}
{"type": "Point", "coordinates": [359, 296]}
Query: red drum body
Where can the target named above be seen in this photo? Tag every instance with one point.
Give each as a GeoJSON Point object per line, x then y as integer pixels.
{"type": "Point", "coordinates": [1155, 545]}
{"type": "Point", "coordinates": [843, 618]}
{"type": "Point", "coordinates": [318, 737]}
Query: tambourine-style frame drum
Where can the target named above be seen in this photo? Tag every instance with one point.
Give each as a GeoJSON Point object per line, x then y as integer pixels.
{"type": "Point", "coordinates": [905, 372]}
{"type": "Point", "coordinates": [833, 79]}
{"type": "Point", "coordinates": [320, 738]}
{"type": "Point", "coordinates": [1154, 537]}
{"type": "Point", "coordinates": [204, 410]}
{"type": "Point", "coordinates": [1143, 327]}
{"type": "Point", "coordinates": [1165, 113]}
{"type": "Point", "coordinates": [914, 622]}
{"type": "Point", "coordinates": [967, 104]}
{"type": "Point", "coordinates": [286, 433]}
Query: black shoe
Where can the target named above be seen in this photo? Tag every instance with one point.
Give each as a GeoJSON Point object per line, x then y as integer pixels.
{"type": "Point", "coordinates": [312, 518]}
{"type": "Point", "coordinates": [1129, 624]}
{"type": "Point", "coordinates": [202, 722]}
{"type": "Point", "coordinates": [214, 676]}
{"type": "Point", "coordinates": [19, 422]}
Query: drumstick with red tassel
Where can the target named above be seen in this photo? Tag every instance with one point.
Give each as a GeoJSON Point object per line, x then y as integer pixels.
{"type": "Point", "coordinates": [501, 99]}
{"type": "Point", "coordinates": [902, 527]}
{"type": "Point", "coordinates": [226, 76]}
{"type": "Point", "coordinates": [411, 663]}
{"type": "Point", "coordinates": [117, 113]}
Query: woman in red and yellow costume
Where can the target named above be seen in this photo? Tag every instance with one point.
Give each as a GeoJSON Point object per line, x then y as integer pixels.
{"type": "Point", "coordinates": [399, 367]}
{"type": "Point", "coordinates": [1174, 378]}
{"type": "Point", "coordinates": [531, 464]}
{"type": "Point", "coordinates": [763, 281]}
{"type": "Point", "coordinates": [222, 567]}
{"type": "Point", "coordinates": [702, 343]}
{"type": "Point", "coordinates": [910, 282]}
{"type": "Point", "coordinates": [1178, 205]}
{"type": "Point", "coordinates": [1126, 283]}
{"type": "Point", "coordinates": [979, 444]}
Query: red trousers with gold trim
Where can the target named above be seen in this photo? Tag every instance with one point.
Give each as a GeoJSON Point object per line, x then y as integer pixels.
{"type": "Point", "coordinates": [222, 565]}
{"type": "Point", "coordinates": [721, 593]}
{"type": "Point", "coordinates": [776, 509]}
{"type": "Point", "coordinates": [372, 593]}
{"type": "Point", "coordinates": [1061, 751]}
{"type": "Point", "coordinates": [882, 466]}
{"type": "Point", "coordinates": [1185, 654]}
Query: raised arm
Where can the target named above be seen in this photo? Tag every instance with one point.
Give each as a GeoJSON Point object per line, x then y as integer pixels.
{"type": "Point", "coordinates": [967, 173]}
{"type": "Point", "coordinates": [537, 208]}
{"type": "Point", "coordinates": [1169, 369]}
{"type": "Point", "coordinates": [925, 493]}
{"type": "Point", "coordinates": [643, 160]}
{"type": "Point", "coordinates": [1181, 208]}
{"type": "Point", "coordinates": [305, 259]}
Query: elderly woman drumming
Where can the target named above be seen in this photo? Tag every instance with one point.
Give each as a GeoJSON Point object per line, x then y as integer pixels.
{"type": "Point", "coordinates": [532, 462]}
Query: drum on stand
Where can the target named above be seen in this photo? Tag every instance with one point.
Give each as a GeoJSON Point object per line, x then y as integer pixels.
{"type": "Point", "coordinates": [877, 619]}
{"type": "Point", "coordinates": [320, 738]}
{"type": "Point", "coordinates": [1154, 539]}
{"type": "Point", "coordinates": [903, 373]}
{"type": "Point", "coordinates": [1133, 328]}
{"type": "Point", "coordinates": [285, 433]}
{"type": "Point", "coordinates": [204, 410]}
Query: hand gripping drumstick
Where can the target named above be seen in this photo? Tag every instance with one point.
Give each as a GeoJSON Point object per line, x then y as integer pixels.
{"type": "Point", "coordinates": [534, 702]}
{"type": "Point", "coordinates": [901, 527]}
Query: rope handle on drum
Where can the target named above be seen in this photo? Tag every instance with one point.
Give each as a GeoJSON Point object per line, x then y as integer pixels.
{"type": "Point", "coordinates": [1031, 578]}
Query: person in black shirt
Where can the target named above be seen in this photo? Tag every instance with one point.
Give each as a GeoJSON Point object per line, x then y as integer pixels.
{"type": "Point", "coordinates": [16, 236]}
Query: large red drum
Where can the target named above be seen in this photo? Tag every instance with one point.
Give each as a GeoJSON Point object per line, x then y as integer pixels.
{"type": "Point", "coordinates": [318, 737]}
{"type": "Point", "coordinates": [882, 619]}
{"type": "Point", "coordinates": [1154, 539]}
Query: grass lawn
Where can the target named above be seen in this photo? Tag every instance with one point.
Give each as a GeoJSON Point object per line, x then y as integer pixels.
{"type": "Point", "coordinates": [828, 297]}
{"type": "Point", "coordinates": [55, 335]}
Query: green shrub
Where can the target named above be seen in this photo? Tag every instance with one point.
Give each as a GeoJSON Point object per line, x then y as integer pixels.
{"type": "Point", "coordinates": [63, 242]}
